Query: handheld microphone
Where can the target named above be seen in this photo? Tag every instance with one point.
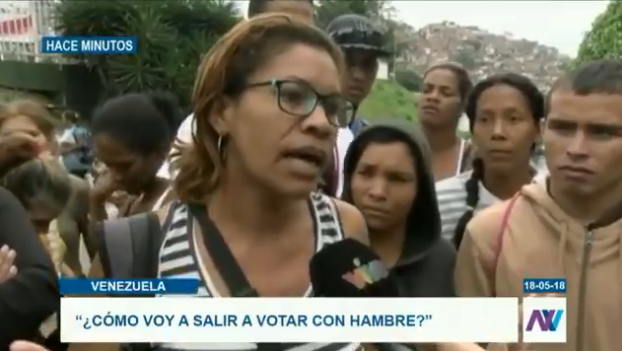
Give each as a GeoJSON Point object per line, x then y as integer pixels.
{"type": "Point", "coordinates": [348, 268]}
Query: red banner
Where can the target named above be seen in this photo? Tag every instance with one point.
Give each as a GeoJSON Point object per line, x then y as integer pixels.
{"type": "Point", "coordinates": [16, 26]}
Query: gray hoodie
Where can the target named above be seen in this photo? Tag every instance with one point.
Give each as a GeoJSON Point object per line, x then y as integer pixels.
{"type": "Point", "coordinates": [427, 262]}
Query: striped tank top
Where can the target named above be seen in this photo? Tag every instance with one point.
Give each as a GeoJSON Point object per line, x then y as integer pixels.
{"type": "Point", "coordinates": [179, 258]}
{"type": "Point", "coordinates": [451, 196]}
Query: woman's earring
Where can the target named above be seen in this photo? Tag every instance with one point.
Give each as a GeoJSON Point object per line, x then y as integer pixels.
{"type": "Point", "coordinates": [219, 144]}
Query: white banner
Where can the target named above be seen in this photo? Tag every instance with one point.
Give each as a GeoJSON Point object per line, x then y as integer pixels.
{"type": "Point", "coordinates": [326, 320]}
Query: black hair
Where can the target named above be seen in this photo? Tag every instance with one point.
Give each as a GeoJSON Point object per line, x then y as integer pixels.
{"type": "Point", "coordinates": [376, 135]}
{"type": "Point", "coordinates": [593, 77]}
{"type": "Point", "coordinates": [534, 98]}
{"type": "Point", "coordinates": [144, 123]}
{"type": "Point", "coordinates": [528, 89]}
{"type": "Point", "coordinates": [328, 183]}
{"type": "Point", "coordinates": [257, 7]}
{"type": "Point", "coordinates": [423, 214]}
{"type": "Point", "coordinates": [465, 85]}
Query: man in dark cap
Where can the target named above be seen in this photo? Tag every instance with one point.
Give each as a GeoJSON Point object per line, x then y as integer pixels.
{"type": "Point", "coordinates": [363, 45]}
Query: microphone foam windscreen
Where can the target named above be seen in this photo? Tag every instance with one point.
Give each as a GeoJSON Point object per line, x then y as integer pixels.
{"type": "Point", "coordinates": [349, 268]}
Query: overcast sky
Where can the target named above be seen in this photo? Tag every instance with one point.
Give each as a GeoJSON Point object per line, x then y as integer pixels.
{"type": "Point", "coordinates": [560, 24]}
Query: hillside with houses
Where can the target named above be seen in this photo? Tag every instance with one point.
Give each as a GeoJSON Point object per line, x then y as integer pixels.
{"type": "Point", "coordinates": [483, 53]}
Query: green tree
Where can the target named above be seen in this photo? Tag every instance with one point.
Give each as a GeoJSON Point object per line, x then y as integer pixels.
{"type": "Point", "coordinates": [327, 10]}
{"type": "Point", "coordinates": [172, 38]}
{"type": "Point", "coordinates": [604, 40]}
{"type": "Point", "coordinates": [397, 41]}
{"type": "Point", "coordinates": [409, 79]}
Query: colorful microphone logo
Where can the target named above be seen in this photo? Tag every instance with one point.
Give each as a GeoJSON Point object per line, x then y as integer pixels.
{"type": "Point", "coordinates": [366, 274]}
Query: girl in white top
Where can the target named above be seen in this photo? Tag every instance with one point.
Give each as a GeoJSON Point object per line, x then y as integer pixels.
{"type": "Point", "coordinates": [504, 112]}
{"type": "Point", "coordinates": [344, 139]}
{"type": "Point", "coordinates": [463, 155]}
{"type": "Point", "coordinates": [184, 136]}
{"type": "Point", "coordinates": [441, 104]}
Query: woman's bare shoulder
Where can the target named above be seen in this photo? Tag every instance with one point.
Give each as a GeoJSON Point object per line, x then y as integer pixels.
{"type": "Point", "coordinates": [163, 211]}
{"type": "Point", "coordinates": [352, 220]}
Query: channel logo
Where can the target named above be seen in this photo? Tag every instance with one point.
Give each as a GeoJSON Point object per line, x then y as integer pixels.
{"type": "Point", "coordinates": [544, 319]}
{"type": "Point", "coordinates": [547, 320]}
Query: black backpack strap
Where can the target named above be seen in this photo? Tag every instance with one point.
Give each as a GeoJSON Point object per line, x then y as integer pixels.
{"type": "Point", "coordinates": [115, 238]}
{"type": "Point", "coordinates": [221, 255]}
{"type": "Point", "coordinates": [147, 235]}
{"type": "Point", "coordinates": [134, 242]}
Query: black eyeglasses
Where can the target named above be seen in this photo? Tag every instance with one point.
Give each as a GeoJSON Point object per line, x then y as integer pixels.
{"type": "Point", "coordinates": [298, 98]}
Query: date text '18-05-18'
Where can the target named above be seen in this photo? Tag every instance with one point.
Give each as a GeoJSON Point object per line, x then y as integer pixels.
{"type": "Point", "coordinates": [544, 286]}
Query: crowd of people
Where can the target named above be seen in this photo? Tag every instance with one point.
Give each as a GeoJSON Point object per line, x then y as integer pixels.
{"type": "Point", "coordinates": [275, 164]}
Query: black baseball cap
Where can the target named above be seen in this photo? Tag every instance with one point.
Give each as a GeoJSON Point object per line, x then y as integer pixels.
{"type": "Point", "coordinates": [357, 32]}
